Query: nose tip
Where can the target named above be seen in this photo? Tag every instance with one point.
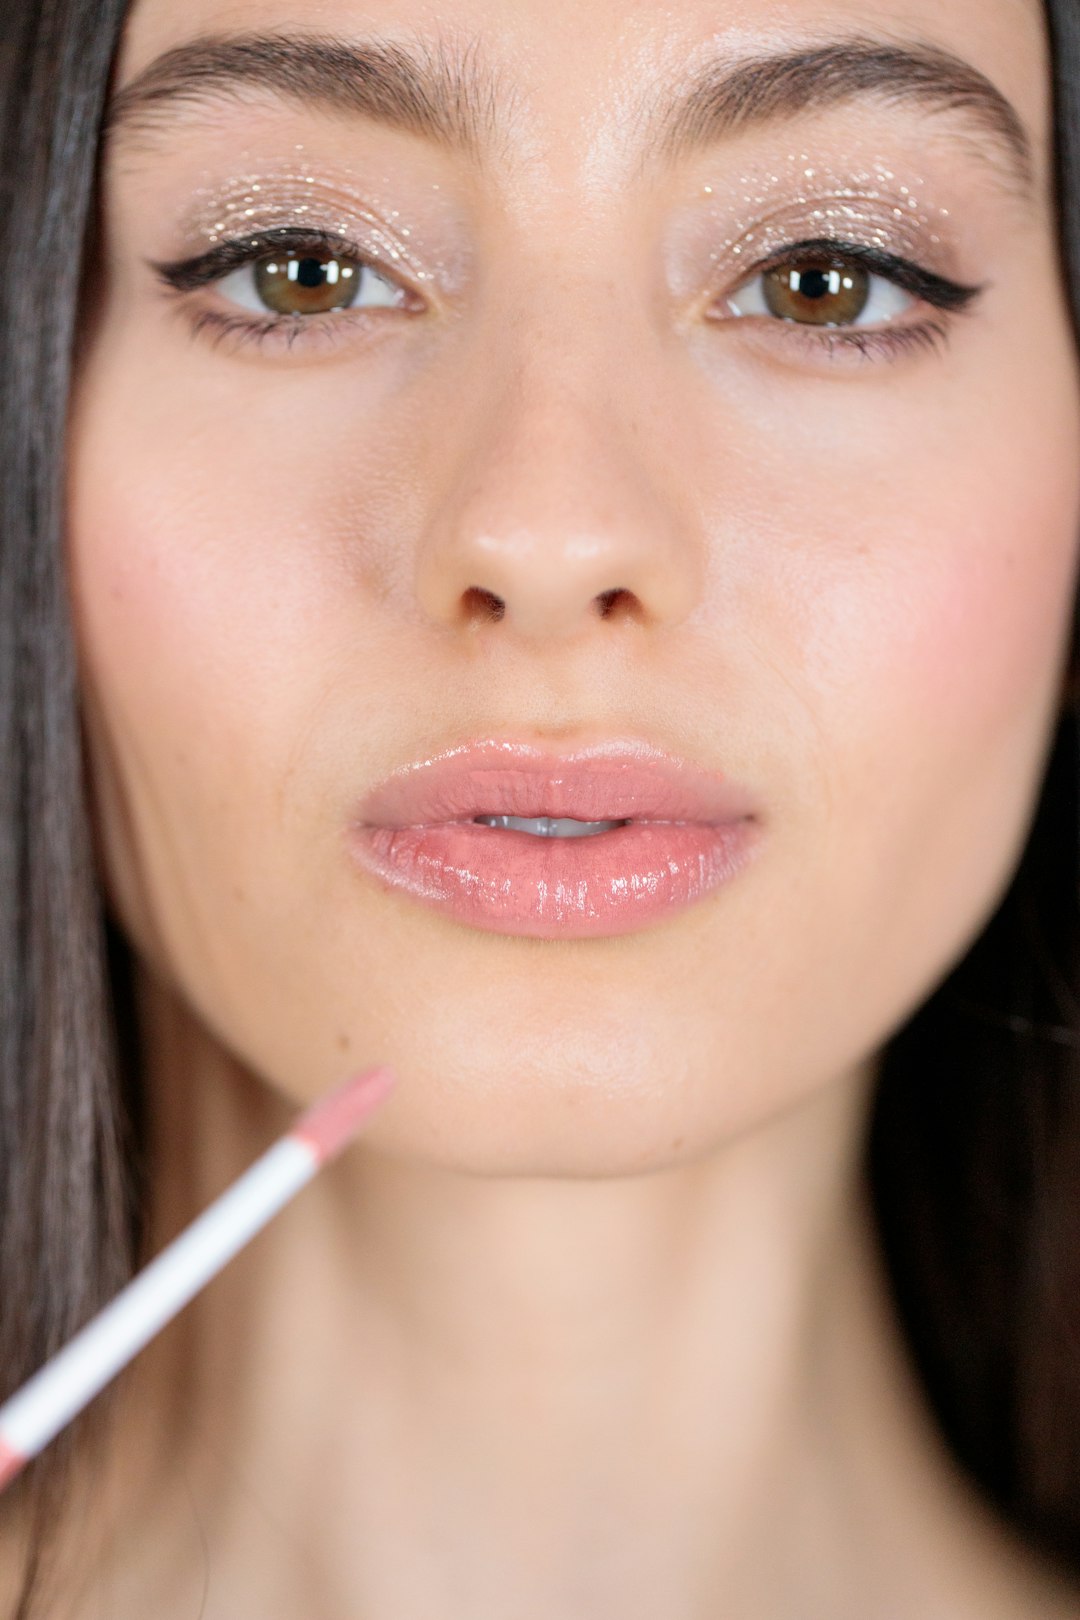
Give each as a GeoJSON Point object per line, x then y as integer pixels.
{"type": "Point", "coordinates": [553, 521]}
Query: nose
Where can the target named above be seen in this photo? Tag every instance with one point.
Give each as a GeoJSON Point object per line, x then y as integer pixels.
{"type": "Point", "coordinates": [558, 505]}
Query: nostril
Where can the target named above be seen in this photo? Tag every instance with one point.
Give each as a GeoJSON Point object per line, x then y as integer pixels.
{"type": "Point", "coordinates": [490, 605]}
{"type": "Point", "coordinates": [615, 599]}
{"type": "Point", "coordinates": [480, 602]}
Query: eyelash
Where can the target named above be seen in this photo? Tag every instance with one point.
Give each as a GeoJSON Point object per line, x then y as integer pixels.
{"type": "Point", "coordinates": [948, 297]}
{"type": "Point", "coordinates": [186, 276]}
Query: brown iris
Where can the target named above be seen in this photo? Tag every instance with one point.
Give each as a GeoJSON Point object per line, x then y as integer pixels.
{"type": "Point", "coordinates": [306, 283]}
{"type": "Point", "coordinates": [817, 290]}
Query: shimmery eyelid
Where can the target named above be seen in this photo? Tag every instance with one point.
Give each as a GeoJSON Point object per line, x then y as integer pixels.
{"type": "Point", "coordinates": [336, 203]}
{"type": "Point", "coordinates": [747, 215]}
{"type": "Point", "coordinates": [291, 190]}
{"type": "Point", "coordinates": [871, 195]}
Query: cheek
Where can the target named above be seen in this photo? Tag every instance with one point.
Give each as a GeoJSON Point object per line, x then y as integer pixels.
{"type": "Point", "coordinates": [204, 605]}
{"type": "Point", "coordinates": [946, 633]}
{"type": "Point", "coordinates": [925, 539]}
{"type": "Point", "coordinates": [927, 624]}
{"type": "Point", "coordinates": [236, 664]}
{"type": "Point", "coordinates": [893, 591]}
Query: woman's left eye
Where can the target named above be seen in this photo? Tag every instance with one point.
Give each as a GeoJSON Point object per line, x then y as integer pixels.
{"type": "Point", "coordinates": [307, 283]}
{"type": "Point", "coordinates": [821, 290]}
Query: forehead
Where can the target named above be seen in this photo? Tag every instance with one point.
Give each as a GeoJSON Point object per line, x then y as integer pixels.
{"type": "Point", "coordinates": [590, 76]}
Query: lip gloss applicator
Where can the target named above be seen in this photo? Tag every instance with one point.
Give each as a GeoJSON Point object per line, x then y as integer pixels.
{"type": "Point", "coordinates": [49, 1400]}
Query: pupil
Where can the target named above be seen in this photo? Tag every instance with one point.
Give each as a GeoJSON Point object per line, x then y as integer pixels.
{"type": "Point", "coordinates": [815, 283]}
{"type": "Point", "coordinates": [310, 273]}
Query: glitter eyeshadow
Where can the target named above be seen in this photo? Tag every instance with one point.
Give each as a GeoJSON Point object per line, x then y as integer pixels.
{"type": "Point", "coordinates": [862, 201]}
{"type": "Point", "coordinates": [293, 196]}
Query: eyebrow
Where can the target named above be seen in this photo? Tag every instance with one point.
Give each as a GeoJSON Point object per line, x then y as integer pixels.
{"type": "Point", "coordinates": [445, 94]}
{"type": "Point", "coordinates": [723, 99]}
{"type": "Point", "coordinates": [442, 94]}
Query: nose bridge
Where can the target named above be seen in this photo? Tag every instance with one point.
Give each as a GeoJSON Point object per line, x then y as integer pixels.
{"type": "Point", "coordinates": [556, 508]}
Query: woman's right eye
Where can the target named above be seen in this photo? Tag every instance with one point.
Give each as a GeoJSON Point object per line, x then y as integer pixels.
{"type": "Point", "coordinates": [307, 282]}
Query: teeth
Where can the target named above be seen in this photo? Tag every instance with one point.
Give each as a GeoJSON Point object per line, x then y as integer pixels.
{"type": "Point", "coordinates": [550, 827]}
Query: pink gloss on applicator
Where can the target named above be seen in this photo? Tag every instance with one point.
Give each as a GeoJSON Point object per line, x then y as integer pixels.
{"type": "Point", "coordinates": [50, 1399]}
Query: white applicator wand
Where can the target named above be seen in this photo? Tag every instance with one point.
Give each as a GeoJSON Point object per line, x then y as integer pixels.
{"type": "Point", "coordinates": [49, 1400]}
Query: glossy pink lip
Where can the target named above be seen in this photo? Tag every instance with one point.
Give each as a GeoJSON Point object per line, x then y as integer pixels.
{"type": "Point", "coordinates": [689, 831]}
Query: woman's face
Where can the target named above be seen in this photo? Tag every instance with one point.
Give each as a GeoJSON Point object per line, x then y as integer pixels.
{"type": "Point", "coordinates": [838, 499]}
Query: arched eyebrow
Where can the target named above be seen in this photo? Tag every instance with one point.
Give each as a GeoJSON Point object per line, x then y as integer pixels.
{"type": "Point", "coordinates": [725, 97]}
{"type": "Point", "coordinates": [444, 93]}
{"type": "Point", "coordinates": [439, 92]}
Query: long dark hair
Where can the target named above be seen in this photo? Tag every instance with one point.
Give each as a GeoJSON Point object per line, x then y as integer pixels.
{"type": "Point", "coordinates": [973, 1152]}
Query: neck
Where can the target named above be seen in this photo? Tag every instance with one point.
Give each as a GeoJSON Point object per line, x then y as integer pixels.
{"type": "Point", "coordinates": [458, 1393]}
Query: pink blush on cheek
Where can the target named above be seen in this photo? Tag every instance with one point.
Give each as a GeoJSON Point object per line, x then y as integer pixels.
{"type": "Point", "coordinates": [931, 651]}
{"type": "Point", "coordinates": [999, 624]}
{"type": "Point", "coordinates": [186, 625]}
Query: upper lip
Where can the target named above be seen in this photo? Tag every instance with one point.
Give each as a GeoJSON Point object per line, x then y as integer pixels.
{"type": "Point", "coordinates": [608, 781]}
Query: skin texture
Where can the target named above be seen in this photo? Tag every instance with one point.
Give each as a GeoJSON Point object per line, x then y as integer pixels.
{"type": "Point", "coordinates": [589, 1322]}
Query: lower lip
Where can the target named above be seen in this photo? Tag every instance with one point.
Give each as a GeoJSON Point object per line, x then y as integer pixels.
{"type": "Point", "coordinates": [512, 882]}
